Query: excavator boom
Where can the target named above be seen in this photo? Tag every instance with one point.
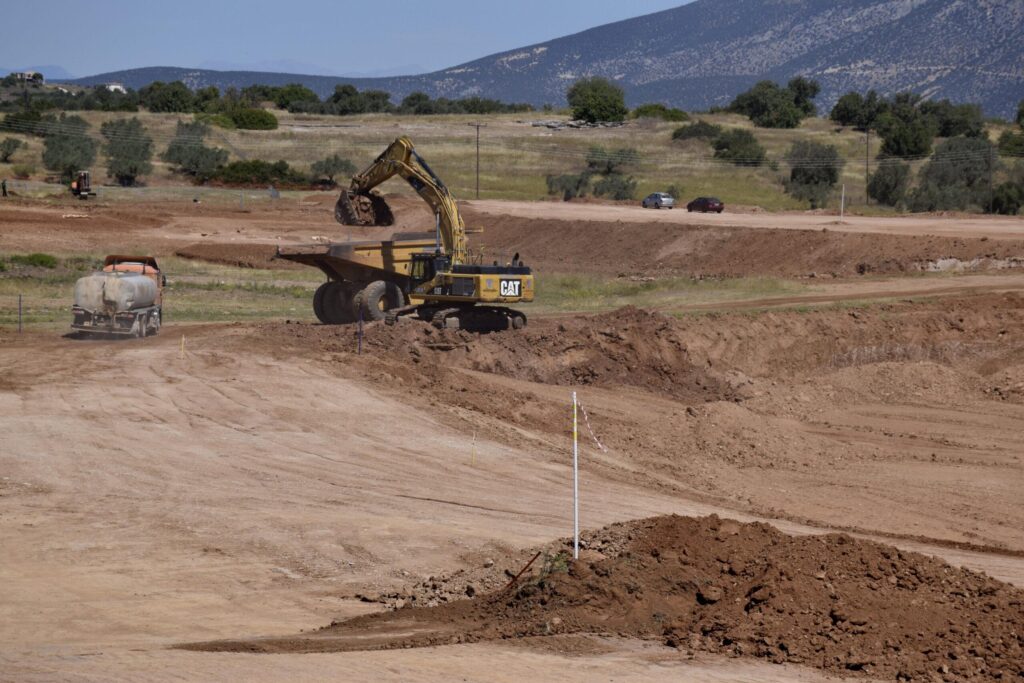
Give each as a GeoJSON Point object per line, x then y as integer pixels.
{"type": "Point", "coordinates": [358, 206]}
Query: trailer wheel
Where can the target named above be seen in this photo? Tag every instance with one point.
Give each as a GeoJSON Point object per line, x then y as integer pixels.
{"type": "Point", "coordinates": [377, 298]}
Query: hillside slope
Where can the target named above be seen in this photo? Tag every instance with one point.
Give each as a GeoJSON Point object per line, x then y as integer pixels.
{"type": "Point", "coordinates": [702, 54]}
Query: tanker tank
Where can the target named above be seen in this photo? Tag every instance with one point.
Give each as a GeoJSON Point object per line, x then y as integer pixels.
{"type": "Point", "coordinates": [125, 298]}
{"type": "Point", "coordinates": [115, 292]}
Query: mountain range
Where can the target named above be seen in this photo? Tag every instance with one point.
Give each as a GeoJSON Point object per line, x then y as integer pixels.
{"type": "Point", "coordinates": [702, 54]}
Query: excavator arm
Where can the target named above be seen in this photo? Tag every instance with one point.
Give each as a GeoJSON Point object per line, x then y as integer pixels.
{"type": "Point", "coordinates": [358, 206]}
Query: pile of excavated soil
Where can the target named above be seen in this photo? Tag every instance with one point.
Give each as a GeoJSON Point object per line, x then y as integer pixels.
{"type": "Point", "coordinates": [627, 347]}
{"type": "Point", "coordinates": [662, 249]}
{"type": "Point", "coordinates": [714, 585]}
{"type": "Point", "coordinates": [691, 358]}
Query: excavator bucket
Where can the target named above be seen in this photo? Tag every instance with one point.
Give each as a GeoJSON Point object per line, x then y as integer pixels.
{"type": "Point", "coordinates": [362, 209]}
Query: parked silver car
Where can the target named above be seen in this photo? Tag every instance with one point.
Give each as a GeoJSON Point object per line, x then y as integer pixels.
{"type": "Point", "coordinates": [658, 200]}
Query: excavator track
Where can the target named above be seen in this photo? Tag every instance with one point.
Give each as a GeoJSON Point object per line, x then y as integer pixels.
{"type": "Point", "coordinates": [479, 318]}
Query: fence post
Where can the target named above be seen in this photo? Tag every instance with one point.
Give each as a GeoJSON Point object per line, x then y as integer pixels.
{"type": "Point", "coordinates": [359, 346]}
{"type": "Point", "coordinates": [575, 483]}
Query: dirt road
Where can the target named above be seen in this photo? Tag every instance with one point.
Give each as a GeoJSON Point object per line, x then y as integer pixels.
{"type": "Point", "coordinates": [959, 226]}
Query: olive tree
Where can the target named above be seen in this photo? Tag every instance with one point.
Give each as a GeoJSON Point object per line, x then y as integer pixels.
{"type": "Point", "coordinates": [68, 148]}
{"type": "Point", "coordinates": [129, 150]}
{"type": "Point", "coordinates": [814, 170]}
{"type": "Point", "coordinates": [8, 147]}
{"type": "Point", "coordinates": [597, 99]}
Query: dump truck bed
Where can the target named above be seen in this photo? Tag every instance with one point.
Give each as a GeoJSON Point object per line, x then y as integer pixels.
{"type": "Point", "coordinates": [364, 260]}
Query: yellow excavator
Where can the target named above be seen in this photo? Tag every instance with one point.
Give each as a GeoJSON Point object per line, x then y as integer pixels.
{"type": "Point", "coordinates": [434, 279]}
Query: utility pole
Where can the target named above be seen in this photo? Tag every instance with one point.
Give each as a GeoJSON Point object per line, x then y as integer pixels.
{"type": "Point", "coordinates": [478, 126]}
{"type": "Point", "coordinates": [867, 174]}
{"type": "Point", "coordinates": [991, 170]}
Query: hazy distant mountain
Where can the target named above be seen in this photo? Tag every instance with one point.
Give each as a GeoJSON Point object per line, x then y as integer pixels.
{"type": "Point", "coordinates": [702, 54]}
{"type": "Point", "coordinates": [294, 67]}
{"type": "Point", "coordinates": [50, 72]}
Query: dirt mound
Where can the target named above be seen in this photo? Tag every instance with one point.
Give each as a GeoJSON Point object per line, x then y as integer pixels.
{"type": "Point", "coordinates": [626, 347]}
{"type": "Point", "coordinates": [660, 249]}
{"type": "Point", "coordinates": [780, 343]}
{"type": "Point", "coordinates": [721, 586]}
{"type": "Point", "coordinates": [240, 255]}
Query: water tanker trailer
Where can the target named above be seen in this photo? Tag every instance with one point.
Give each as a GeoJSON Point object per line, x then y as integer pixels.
{"type": "Point", "coordinates": [125, 298]}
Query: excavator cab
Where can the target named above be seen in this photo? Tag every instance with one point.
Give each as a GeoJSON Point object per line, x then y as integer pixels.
{"type": "Point", "coordinates": [425, 266]}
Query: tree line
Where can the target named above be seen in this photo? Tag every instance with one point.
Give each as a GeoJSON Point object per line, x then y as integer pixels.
{"type": "Point", "coordinates": [129, 151]}
{"type": "Point", "coordinates": [231, 107]}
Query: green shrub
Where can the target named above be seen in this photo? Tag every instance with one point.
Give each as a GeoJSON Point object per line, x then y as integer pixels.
{"type": "Point", "coordinates": [24, 122]}
{"type": "Point", "coordinates": [1008, 199]}
{"type": "Point", "coordinates": [188, 153]}
{"type": "Point", "coordinates": [569, 186]}
{"type": "Point", "coordinates": [220, 120]}
{"type": "Point", "coordinates": [608, 161]}
{"type": "Point", "coordinates": [253, 119]}
{"type": "Point", "coordinates": [740, 147]}
{"type": "Point", "coordinates": [8, 147]}
{"type": "Point", "coordinates": [23, 171]}
{"type": "Point", "coordinates": [701, 130]}
{"type": "Point", "coordinates": [956, 177]}
{"type": "Point", "coordinates": [1011, 144]}
{"type": "Point", "coordinates": [616, 186]}
{"type": "Point", "coordinates": [331, 167]}
{"type": "Point", "coordinates": [950, 120]}
{"type": "Point", "coordinates": [888, 185]}
{"type": "Point", "coordinates": [814, 170]}
{"type": "Point", "coordinates": [36, 259]}
{"type": "Point", "coordinates": [258, 172]}
{"type": "Point", "coordinates": [659, 111]}
{"type": "Point", "coordinates": [160, 97]}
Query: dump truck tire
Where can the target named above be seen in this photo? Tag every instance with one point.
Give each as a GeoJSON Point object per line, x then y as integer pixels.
{"type": "Point", "coordinates": [377, 298]}
{"type": "Point", "coordinates": [337, 304]}
{"type": "Point", "coordinates": [318, 303]}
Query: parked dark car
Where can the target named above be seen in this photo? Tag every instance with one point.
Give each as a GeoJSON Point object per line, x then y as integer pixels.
{"type": "Point", "coordinates": [658, 200]}
{"type": "Point", "coordinates": [706, 205]}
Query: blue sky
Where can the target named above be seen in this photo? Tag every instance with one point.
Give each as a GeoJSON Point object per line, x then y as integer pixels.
{"type": "Point", "coordinates": [381, 37]}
